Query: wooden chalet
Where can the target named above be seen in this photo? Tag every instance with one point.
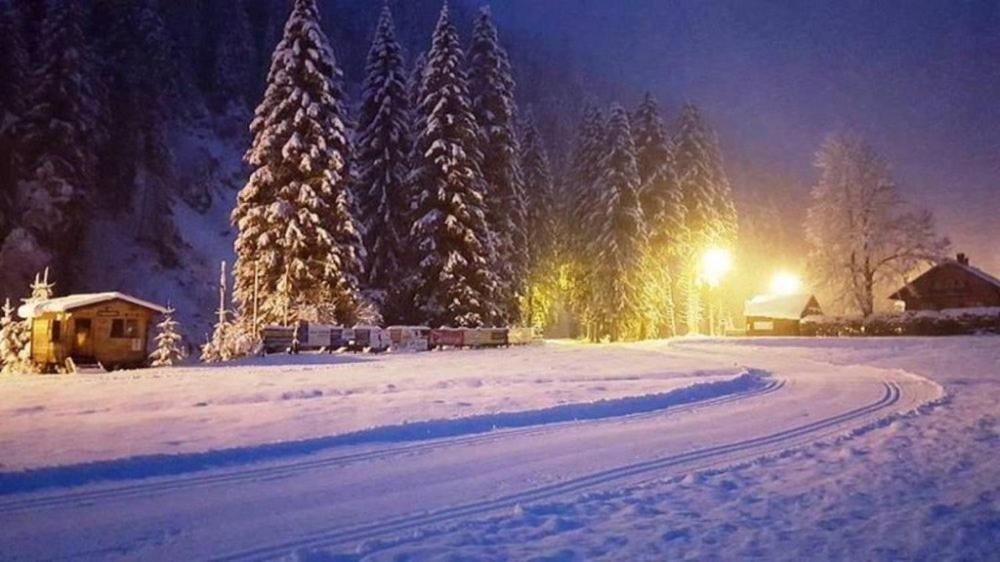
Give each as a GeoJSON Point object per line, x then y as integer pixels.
{"type": "Point", "coordinates": [778, 315]}
{"type": "Point", "coordinates": [110, 329]}
{"type": "Point", "coordinates": [950, 284]}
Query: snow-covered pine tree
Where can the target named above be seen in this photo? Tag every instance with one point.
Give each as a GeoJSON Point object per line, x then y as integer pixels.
{"type": "Point", "coordinates": [451, 279]}
{"type": "Point", "coordinates": [169, 349]}
{"type": "Point", "coordinates": [382, 154]}
{"type": "Point", "coordinates": [415, 89]}
{"type": "Point", "coordinates": [696, 169]}
{"type": "Point", "coordinates": [295, 216]}
{"type": "Point", "coordinates": [15, 339]}
{"type": "Point", "coordinates": [543, 263]}
{"type": "Point", "coordinates": [727, 228]}
{"type": "Point", "coordinates": [584, 171]}
{"type": "Point", "coordinates": [57, 142]}
{"type": "Point", "coordinates": [663, 210]}
{"type": "Point", "coordinates": [620, 239]}
{"type": "Point", "coordinates": [491, 85]}
{"type": "Point", "coordinates": [652, 145]}
{"type": "Point", "coordinates": [13, 74]}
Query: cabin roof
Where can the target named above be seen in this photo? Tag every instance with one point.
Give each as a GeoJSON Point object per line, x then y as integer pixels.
{"type": "Point", "coordinates": [72, 302]}
{"type": "Point", "coordinates": [782, 307]}
{"type": "Point", "coordinates": [974, 271]}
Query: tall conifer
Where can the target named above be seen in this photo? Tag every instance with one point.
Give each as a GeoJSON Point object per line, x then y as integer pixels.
{"type": "Point", "coordinates": [492, 88]}
{"type": "Point", "coordinates": [620, 238]}
{"type": "Point", "coordinates": [297, 233]}
{"type": "Point", "coordinates": [383, 150]}
{"type": "Point", "coordinates": [452, 282]}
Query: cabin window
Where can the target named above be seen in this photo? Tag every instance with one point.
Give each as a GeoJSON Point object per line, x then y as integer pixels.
{"type": "Point", "coordinates": [124, 329]}
{"type": "Point", "coordinates": [56, 333]}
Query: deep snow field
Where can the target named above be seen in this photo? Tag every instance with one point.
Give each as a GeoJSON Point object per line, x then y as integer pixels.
{"type": "Point", "coordinates": [792, 449]}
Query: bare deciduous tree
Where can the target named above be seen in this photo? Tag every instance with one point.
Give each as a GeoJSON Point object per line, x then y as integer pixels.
{"type": "Point", "coordinates": [861, 232]}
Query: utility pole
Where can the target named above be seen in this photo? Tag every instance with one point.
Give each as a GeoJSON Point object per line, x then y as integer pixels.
{"type": "Point", "coordinates": [222, 294]}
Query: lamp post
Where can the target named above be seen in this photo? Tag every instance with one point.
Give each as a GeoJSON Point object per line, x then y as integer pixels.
{"type": "Point", "coordinates": [715, 264]}
{"type": "Point", "coordinates": [785, 283]}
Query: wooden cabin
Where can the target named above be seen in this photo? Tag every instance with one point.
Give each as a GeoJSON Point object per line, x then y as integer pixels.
{"type": "Point", "coordinates": [778, 315]}
{"type": "Point", "coordinates": [110, 329]}
{"type": "Point", "coordinates": [950, 284]}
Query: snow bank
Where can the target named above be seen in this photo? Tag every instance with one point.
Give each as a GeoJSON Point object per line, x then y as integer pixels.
{"type": "Point", "coordinates": [165, 465]}
{"type": "Point", "coordinates": [283, 399]}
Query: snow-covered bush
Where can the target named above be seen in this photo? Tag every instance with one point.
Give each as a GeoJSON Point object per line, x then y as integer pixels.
{"type": "Point", "coordinates": [15, 341]}
{"type": "Point", "coordinates": [230, 340]}
{"type": "Point", "coordinates": [169, 349]}
{"type": "Point", "coordinates": [958, 321]}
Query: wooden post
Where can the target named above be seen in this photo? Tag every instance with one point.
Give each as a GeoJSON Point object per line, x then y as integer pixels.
{"type": "Point", "coordinates": [256, 283]}
{"type": "Point", "coordinates": [285, 296]}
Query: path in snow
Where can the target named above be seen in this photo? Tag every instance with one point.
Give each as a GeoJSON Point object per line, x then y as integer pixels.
{"type": "Point", "coordinates": [337, 499]}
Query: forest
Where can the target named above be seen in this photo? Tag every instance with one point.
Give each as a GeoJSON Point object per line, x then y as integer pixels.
{"type": "Point", "coordinates": [409, 184]}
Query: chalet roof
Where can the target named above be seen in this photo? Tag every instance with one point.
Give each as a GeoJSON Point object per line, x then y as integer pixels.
{"type": "Point", "coordinates": [781, 307]}
{"type": "Point", "coordinates": [71, 302]}
{"type": "Point", "coordinates": [974, 271]}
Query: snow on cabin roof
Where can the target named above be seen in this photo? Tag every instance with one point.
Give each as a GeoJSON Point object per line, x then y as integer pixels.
{"type": "Point", "coordinates": [65, 304]}
{"type": "Point", "coordinates": [782, 307]}
{"type": "Point", "coordinates": [974, 271]}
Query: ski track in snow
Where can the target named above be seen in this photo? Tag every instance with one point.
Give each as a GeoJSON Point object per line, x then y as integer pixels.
{"type": "Point", "coordinates": [390, 497]}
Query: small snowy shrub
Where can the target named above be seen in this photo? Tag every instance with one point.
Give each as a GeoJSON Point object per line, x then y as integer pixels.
{"type": "Point", "coordinates": [169, 349]}
{"type": "Point", "coordinates": [15, 340]}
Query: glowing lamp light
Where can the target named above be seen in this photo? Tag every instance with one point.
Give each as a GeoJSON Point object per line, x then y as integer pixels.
{"type": "Point", "coordinates": [715, 263]}
{"type": "Point", "coordinates": [785, 283]}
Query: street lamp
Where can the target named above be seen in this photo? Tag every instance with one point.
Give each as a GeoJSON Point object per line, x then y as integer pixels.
{"type": "Point", "coordinates": [785, 283]}
{"type": "Point", "coordinates": [715, 263]}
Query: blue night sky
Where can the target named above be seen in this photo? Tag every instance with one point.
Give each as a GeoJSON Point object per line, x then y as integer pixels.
{"type": "Point", "coordinates": [920, 79]}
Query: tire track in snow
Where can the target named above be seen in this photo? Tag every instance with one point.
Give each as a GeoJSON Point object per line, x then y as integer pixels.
{"type": "Point", "coordinates": [290, 469]}
{"type": "Point", "coordinates": [776, 441]}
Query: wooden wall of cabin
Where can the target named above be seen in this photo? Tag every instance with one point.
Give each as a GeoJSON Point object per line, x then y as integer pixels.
{"type": "Point", "coordinates": [110, 344]}
{"type": "Point", "coordinates": [950, 286]}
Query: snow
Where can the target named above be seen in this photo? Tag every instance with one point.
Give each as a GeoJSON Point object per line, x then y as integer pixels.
{"type": "Point", "coordinates": [795, 449]}
{"type": "Point", "coordinates": [785, 307]}
{"type": "Point", "coordinates": [72, 302]}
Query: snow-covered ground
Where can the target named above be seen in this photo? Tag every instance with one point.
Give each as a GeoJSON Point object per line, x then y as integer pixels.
{"type": "Point", "coordinates": [788, 449]}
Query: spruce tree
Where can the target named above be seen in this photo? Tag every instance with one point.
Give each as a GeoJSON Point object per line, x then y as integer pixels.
{"type": "Point", "coordinates": [710, 217]}
{"type": "Point", "coordinates": [663, 211]}
{"type": "Point", "coordinates": [542, 245]}
{"type": "Point", "coordinates": [491, 85]}
{"type": "Point", "coordinates": [169, 350]}
{"type": "Point", "coordinates": [383, 150]}
{"type": "Point", "coordinates": [295, 216]}
{"type": "Point", "coordinates": [15, 341]}
{"type": "Point", "coordinates": [620, 237]}
{"type": "Point", "coordinates": [451, 280]}
{"type": "Point", "coordinates": [584, 172]}
{"type": "Point", "coordinates": [652, 146]}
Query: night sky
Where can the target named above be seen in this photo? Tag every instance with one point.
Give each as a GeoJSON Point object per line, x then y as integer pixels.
{"type": "Point", "coordinates": [921, 80]}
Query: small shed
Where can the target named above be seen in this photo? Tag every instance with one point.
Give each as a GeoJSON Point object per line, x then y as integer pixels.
{"type": "Point", "coordinates": [111, 329]}
{"type": "Point", "coordinates": [950, 284]}
{"type": "Point", "coordinates": [778, 315]}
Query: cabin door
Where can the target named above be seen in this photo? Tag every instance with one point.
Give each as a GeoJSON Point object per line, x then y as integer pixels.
{"type": "Point", "coordinates": [83, 340]}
